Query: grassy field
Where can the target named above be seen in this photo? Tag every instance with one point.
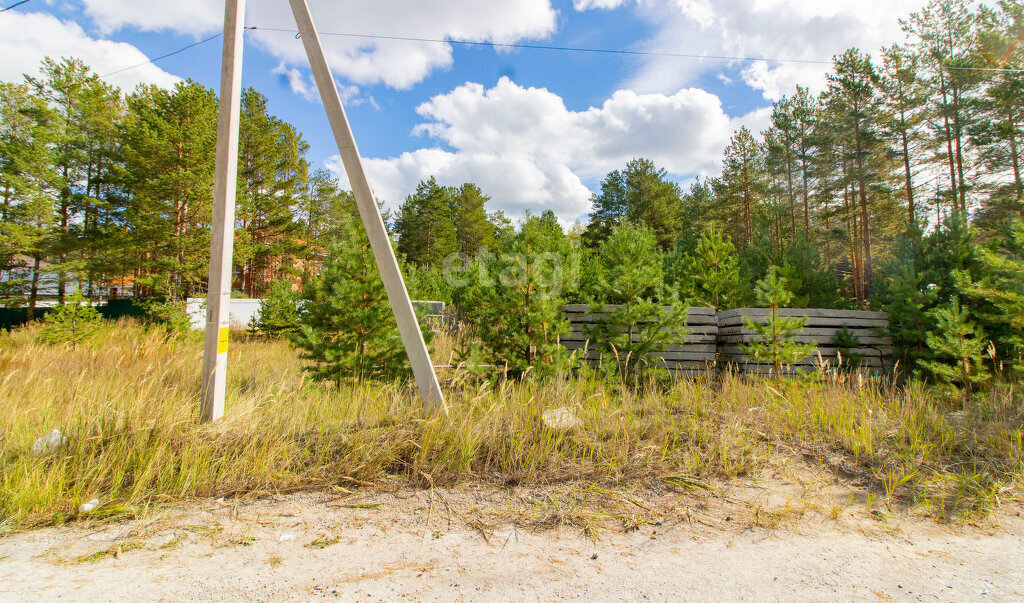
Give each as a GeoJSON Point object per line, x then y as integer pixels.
{"type": "Point", "coordinates": [128, 405]}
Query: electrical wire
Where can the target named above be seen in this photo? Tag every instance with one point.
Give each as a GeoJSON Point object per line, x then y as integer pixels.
{"type": "Point", "coordinates": [555, 48]}
{"type": "Point", "coordinates": [998, 69]}
{"type": "Point", "coordinates": [680, 55]}
{"type": "Point", "coordinates": [163, 56]}
{"type": "Point", "coordinates": [522, 46]}
{"type": "Point", "coordinates": [619, 51]}
{"type": "Point", "coordinates": [16, 4]}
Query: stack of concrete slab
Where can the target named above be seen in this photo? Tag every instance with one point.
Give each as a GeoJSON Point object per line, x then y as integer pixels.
{"type": "Point", "coordinates": [871, 349]}
{"type": "Point", "coordinates": [716, 340]}
{"type": "Point", "coordinates": [694, 356]}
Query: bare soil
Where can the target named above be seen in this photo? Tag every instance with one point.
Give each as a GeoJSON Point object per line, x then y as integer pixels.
{"type": "Point", "coordinates": [793, 533]}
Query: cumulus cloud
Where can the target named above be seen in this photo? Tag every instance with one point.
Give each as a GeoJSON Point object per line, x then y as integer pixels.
{"type": "Point", "coordinates": [305, 87]}
{"type": "Point", "coordinates": [186, 16]}
{"type": "Point", "coordinates": [802, 30]}
{"type": "Point", "coordinates": [26, 38]}
{"type": "Point", "coordinates": [297, 82]}
{"type": "Point", "coordinates": [528, 151]}
{"type": "Point", "coordinates": [399, 64]}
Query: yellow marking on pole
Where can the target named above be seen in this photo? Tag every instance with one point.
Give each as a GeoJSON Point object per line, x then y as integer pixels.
{"type": "Point", "coordinates": [222, 341]}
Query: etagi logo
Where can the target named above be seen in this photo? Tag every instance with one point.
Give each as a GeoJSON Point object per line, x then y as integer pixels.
{"type": "Point", "coordinates": [544, 272]}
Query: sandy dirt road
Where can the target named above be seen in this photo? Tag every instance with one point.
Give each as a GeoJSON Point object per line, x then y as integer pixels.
{"type": "Point", "coordinates": [496, 544]}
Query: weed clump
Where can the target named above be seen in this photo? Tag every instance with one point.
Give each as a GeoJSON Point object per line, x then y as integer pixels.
{"type": "Point", "coordinates": [72, 322]}
{"type": "Point", "coordinates": [130, 415]}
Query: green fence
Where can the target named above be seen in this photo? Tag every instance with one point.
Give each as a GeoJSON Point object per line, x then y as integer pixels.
{"type": "Point", "coordinates": [11, 318]}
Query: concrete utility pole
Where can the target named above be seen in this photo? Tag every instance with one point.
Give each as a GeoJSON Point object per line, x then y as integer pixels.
{"type": "Point", "coordinates": [215, 348]}
{"type": "Point", "coordinates": [401, 305]}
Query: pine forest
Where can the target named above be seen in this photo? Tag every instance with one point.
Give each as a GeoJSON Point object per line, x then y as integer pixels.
{"type": "Point", "coordinates": [897, 188]}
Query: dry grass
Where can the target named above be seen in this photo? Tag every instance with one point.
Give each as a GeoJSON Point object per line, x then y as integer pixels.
{"type": "Point", "coordinates": [129, 404]}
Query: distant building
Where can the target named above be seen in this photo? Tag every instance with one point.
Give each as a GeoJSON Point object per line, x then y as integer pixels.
{"type": "Point", "coordinates": [16, 282]}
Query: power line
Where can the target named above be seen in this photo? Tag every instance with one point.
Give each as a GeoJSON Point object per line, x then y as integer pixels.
{"type": "Point", "coordinates": [501, 45]}
{"type": "Point", "coordinates": [620, 51]}
{"type": "Point", "coordinates": [555, 48]}
{"type": "Point", "coordinates": [16, 4]}
{"type": "Point", "coordinates": [163, 56]}
{"type": "Point", "coordinates": [999, 69]}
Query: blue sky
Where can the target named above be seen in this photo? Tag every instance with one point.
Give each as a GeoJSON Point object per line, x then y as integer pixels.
{"type": "Point", "coordinates": [537, 129]}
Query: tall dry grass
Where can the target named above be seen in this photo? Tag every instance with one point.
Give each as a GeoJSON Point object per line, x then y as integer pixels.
{"type": "Point", "coordinates": [128, 405]}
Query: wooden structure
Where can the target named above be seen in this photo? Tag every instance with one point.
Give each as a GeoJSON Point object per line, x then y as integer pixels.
{"type": "Point", "coordinates": [694, 357]}
{"type": "Point", "coordinates": [715, 340]}
{"type": "Point", "coordinates": [871, 353]}
{"type": "Point", "coordinates": [216, 346]}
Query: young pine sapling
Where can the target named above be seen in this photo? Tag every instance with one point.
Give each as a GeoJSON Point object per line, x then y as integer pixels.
{"type": "Point", "coordinates": [775, 335]}
{"type": "Point", "coordinates": [639, 325]}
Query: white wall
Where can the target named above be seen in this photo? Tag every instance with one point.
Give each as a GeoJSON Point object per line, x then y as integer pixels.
{"type": "Point", "coordinates": [240, 312]}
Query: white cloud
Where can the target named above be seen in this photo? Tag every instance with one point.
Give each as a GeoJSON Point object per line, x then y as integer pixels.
{"type": "Point", "coordinates": [297, 82]}
{"type": "Point", "coordinates": [26, 38]}
{"type": "Point", "coordinates": [802, 30]}
{"type": "Point", "coordinates": [187, 16]}
{"type": "Point", "coordinates": [589, 4]}
{"type": "Point", "coordinates": [348, 93]}
{"type": "Point", "coordinates": [528, 151]}
{"type": "Point", "coordinates": [756, 121]}
{"type": "Point", "coordinates": [399, 64]}
{"type": "Point", "coordinates": [305, 87]}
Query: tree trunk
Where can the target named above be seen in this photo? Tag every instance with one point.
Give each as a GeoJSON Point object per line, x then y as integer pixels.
{"type": "Point", "coordinates": [136, 273]}
{"type": "Point", "coordinates": [958, 139]}
{"type": "Point", "coordinates": [865, 221]}
{"type": "Point", "coordinates": [1015, 161]}
{"type": "Point", "coordinates": [8, 193]}
{"type": "Point", "coordinates": [65, 202]}
{"type": "Point", "coordinates": [776, 215]}
{"type": "Point", "coordinates": [949, 136]}
{"type": "Point", "coordinates": [851, 220]}
{"type": "Point", "coordinates": [789, 185]}
{"type": "Point", "coordinates": [746, 216]}
{"type": "Point", "coordinates": [866, 238]}
{"type": "Point", "coordinates": [34, 290]}
{"type": "Point", "coordinates": [828, 238]}
{"type": "Point", "coordinates": [807, 207]}
{"type": "Point", "coordinates": [911, 213]}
